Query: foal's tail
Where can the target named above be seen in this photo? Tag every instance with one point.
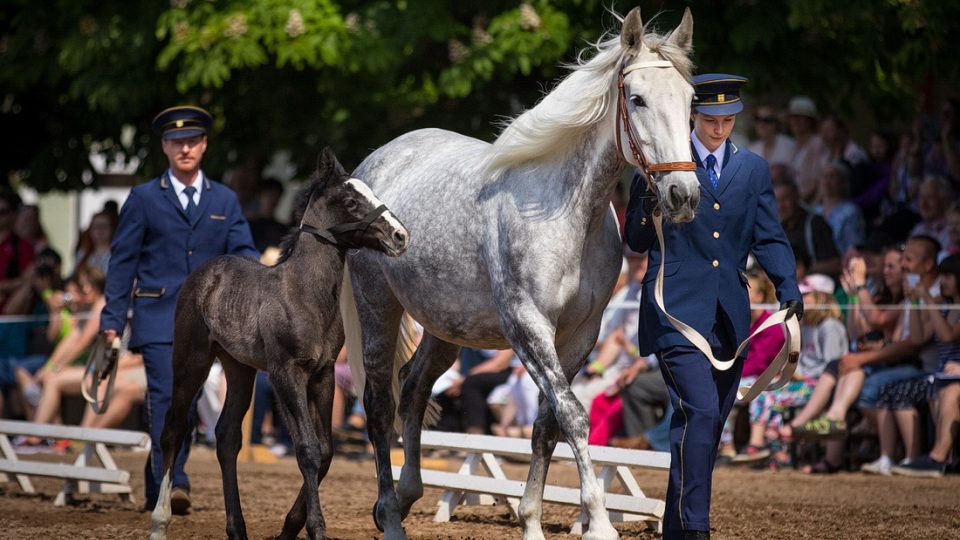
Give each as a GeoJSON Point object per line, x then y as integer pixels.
{"type": "Point", "coordinates": [406, 346]}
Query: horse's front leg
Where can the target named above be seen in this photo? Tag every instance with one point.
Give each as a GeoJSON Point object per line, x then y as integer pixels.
{"type": "Point", "coordinates": [432, 359]}
{"type": "Point", "coordinates": [531, 336]}
{"type": "Point", "coordinates": [380, 323]}
{"type": "Point", "coordinates": [290, 384]}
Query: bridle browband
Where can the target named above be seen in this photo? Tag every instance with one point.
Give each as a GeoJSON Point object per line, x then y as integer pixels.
{"type": "Point", "coordinates": [329, 236]}
{"type": "Point", "coordinates": [623, 119]}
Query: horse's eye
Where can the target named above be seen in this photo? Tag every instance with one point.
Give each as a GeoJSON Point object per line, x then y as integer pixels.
{"type": "Point", "coordinates": [638, 101]}
{"type": "Point", "coordinates": [350, 204]}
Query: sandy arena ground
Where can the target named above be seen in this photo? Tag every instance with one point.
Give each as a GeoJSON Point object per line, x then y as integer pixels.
{"type": "Point", "coordinates": [747, 504]}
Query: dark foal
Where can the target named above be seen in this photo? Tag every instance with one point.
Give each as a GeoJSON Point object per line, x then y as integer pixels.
{"type": "Point", "coordinates": [284, 320]}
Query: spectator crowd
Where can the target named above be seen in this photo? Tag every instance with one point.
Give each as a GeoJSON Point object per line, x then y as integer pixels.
{"type": "Point", "coordinates": [875, 228]}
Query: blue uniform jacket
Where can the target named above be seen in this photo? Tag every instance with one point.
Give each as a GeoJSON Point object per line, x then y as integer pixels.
{"type": "Point", "coordinates": [156, 247]}
{"type": "Point", "coordinates": [706, 259]}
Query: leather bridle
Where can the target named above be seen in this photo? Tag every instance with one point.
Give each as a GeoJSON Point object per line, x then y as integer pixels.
{"type": "Point", "coordinates": [623, 123]}
{"type": "Point", "coordinates": [329, 235]}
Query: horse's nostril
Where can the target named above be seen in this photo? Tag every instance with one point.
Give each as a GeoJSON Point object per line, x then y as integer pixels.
{"type": "Point", "coordinates": [400, 237]}
{"type": "Point", "coordinates": [675, 197]}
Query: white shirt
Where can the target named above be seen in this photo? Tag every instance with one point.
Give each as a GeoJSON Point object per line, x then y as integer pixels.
{"type": "Point", "coordinates": [179, 186]}
{"type": "Point", "coordinates": [702, 152]}
{"type": "Point", "coordinates": [782, 152]}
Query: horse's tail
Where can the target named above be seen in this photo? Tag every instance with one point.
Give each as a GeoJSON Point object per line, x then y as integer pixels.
{"type": "Point", "coordinates": [406, 345]}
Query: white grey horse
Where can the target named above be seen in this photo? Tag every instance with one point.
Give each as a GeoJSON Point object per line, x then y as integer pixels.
{"type": "Point", "coordinates": [514, 245]}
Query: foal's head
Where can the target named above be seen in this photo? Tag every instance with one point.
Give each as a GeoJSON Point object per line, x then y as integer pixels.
{"type": "Point", "coordinates": [356, 216]}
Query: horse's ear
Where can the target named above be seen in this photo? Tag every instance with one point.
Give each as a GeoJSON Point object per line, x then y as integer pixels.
{"type": "Point", "coordinates": [326, 163]}
{"type": "Point", "coordinates": [631, 37]}
{"type": "Point", "coordinates": [682, 36]}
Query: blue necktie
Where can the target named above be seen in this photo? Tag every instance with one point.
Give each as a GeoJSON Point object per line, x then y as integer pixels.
{"type": "Point", "coordinates": [191, 206]}
{"type": "Point", "coordinates": [712, 171]}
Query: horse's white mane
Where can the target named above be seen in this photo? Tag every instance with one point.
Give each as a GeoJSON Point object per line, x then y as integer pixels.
{"type": "Point", "coordinates": [583, 98]}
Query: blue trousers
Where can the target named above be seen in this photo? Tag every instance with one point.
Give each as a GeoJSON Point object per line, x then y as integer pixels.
{"type": "Point", "coordinates": [701, 398]}
{"type": "Point", "coordinates": [158, 362]}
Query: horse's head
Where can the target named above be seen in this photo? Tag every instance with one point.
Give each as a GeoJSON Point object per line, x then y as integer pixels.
{"type": "Point", "coordinates": [657, 94]}
{"type": "Point", "coordinates": [360, 218]}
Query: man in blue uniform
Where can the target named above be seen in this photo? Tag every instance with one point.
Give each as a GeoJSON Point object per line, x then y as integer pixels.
{"type": "Point", "coordinates": [167, 228]}
{"type": "Point", "coordinates": [705, 286]}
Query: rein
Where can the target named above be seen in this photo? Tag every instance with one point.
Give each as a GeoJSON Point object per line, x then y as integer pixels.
{"type": "Point", "coordinates": [329, 236]}
{"type": "Point", "coordinates": [623, 123]}
{"type": "Point", "coordinates": [785, 363]}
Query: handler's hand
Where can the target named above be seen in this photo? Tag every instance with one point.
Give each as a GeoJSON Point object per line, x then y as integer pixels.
{"type": "Point", "coordinates": [850, 362]}
{"type": "Point", "coordinates": [109, 335]}
{"type": "Point", "coordinates": [793, 307]}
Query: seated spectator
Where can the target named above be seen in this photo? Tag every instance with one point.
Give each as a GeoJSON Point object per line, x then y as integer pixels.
{"type": "Point", "coordinates": [823, 339]}
{"type": "Point", "coordinates": [836, 140]}
{"type": "Point", "coordinates": [810, 153]}
{"type": "Point", "coordinates": [519, 401]}
{"type": "Point", "coordinates": [952, 222]}
{"type": "Point", "coordinates": [763, 349]}
{"type": "Point", "coordinates": [868, 327]}
{"type": "Point", "coordinates": [844, 217]}
{"type": "Point", "coordinates": [462, 391]}
{"type": "Point", "coordinates": [878, 169]}
{"type": "Point", "coordinates": [29, 228]}
{"type": "Point", "coordinates": [933, 199]}
{"type": "Point", "coordinates": [55, 377]}
{"type": "Point", "coordinates": [808, 232]}
{"type": "Point", "coordinates": [94, 250]}
{"type": "Point", "coordinates": [943, 388]}
{"type": "Point", "coordinates": [772, 145]}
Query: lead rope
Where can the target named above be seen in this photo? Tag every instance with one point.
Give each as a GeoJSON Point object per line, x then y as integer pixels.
{"type": "Point", "coordinates": [784, 363]}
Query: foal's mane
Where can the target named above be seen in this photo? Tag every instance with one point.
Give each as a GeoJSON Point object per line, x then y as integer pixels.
{"type": "Point", "coordinates": [554, 127]}
{"type": "Point", "coordinates": [304, 197]}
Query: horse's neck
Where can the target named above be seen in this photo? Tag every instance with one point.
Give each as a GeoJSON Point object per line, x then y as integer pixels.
{"type": "Point", "coordinates": [313, 269]}
{"type": "Point", "coordinates": [591, 174]}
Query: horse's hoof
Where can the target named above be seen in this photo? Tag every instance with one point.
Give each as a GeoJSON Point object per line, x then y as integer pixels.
{"type": "Point", "coordinates": [375, 520]}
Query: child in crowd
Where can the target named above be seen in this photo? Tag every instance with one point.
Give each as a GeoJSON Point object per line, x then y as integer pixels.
{"type": "Point", "coordinates": [823, 338]}
{"type": "Point", "coordinates": [763, 349]}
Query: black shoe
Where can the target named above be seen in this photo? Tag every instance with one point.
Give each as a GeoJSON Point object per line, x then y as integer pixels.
{"type": "Point", "coordinates": [180, 501]}
{"type": "Point", "coordinates": [924, 467]}
{"type": "Point", "coordinates": [695, 535]}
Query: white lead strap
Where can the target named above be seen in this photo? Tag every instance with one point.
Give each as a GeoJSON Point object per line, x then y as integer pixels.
{"type": "Point", "coordinates": [784, 363]}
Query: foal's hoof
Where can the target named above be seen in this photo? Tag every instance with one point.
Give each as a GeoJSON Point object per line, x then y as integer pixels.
{"type": "Point", "coordinates": [375, 520]}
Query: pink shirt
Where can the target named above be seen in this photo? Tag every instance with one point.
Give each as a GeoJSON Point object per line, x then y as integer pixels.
{"type": "Point", "coordinates": [763, 348]}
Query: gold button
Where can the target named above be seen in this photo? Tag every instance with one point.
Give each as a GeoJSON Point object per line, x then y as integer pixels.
{"type": "Point", "coordinates": [643, 221]}
{"type": "Point", "coordinates": [716, 206]}
{"type": "Point", "coordinates": [716, 234]}
{"type": "Point", "coordinates": [190, 252]}
{"type": "Point", "coordinates": [716, 263]}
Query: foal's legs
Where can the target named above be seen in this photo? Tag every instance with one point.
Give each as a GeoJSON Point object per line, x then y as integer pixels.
{"type": "Point", "coordinates": [192, 359]}
{"type": "Point", "coordinates": [240, 379]}
{"type": "Point", "coordinates": [321, 388]}
{"type": "Point", "coordinates": [532, 338]}
{"type": "Point", "coordinates": [290, 381]}
{"type": "Point", "coordinates": [432, 359]}
{"type": "Point", "coordinates": [380, 313]}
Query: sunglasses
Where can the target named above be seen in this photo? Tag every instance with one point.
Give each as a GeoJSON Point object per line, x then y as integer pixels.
{"type": "Point", "coordinates": [765, 119]}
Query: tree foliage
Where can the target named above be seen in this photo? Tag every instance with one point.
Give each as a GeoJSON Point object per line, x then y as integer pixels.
{"type": "Point", "coordinates": [298, 74]}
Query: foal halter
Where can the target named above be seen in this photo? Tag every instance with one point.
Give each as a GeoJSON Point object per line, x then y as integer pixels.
{"type": "Point", "coordinates": [623, 123]}
{"type": "Point", "coordinates": [329, 236]}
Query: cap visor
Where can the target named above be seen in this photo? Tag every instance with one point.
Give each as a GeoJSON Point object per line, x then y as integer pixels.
{"type": "Point", "coordinates": [719, 110]}
{"type": "Point", "coordinates": [183, 133]}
